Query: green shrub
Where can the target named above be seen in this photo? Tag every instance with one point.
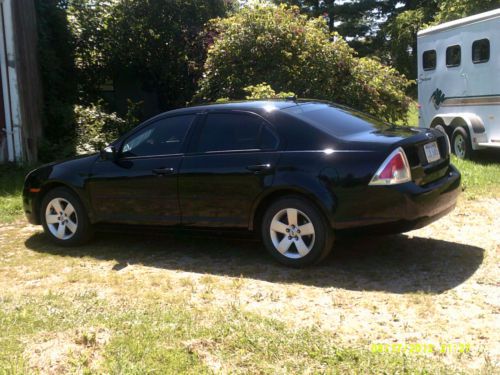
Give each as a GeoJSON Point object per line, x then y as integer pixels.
{"type": "Point", "coordinates": [96, 128]}
{"type": "Point", "coordinates": [59, 85]}
{"type": "Point", "coordinates": [278, 45]}
{"type": "Point", "coordinates": [265, 91]}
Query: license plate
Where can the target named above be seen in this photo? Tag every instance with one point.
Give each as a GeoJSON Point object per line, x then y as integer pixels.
{"type": "Point", "coordinates": [431, 152]}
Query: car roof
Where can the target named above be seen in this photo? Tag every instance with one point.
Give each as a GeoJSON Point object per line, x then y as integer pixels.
{"type": "Point", "coordinates": [235, 105]}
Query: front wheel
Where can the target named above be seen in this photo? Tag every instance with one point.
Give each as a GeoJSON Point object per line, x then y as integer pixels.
{"type": "Point", "coordinates": [460, 143]}
{"type": "Point", "coordinates": [64, 219]}
{"type": "Point", "coordinates": [296, 233]}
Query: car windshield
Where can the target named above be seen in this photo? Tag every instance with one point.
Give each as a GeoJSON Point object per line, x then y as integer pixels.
{"type": "Point", "coordinates": [336, 120]}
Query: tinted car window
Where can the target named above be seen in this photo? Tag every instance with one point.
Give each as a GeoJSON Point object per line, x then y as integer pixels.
{"type": "Point", "coordinates": [429, 60]}
{"type": "Point", "coordinates": [480, 51]}
{"type": "Point", "coordinates": [453, 56]}
{"type": "Point", "coordinates": [163, 137]}
{"type": "Point", "coordinates": [229, 131]}
{"type": "Point", "coordinates": [336, 120]}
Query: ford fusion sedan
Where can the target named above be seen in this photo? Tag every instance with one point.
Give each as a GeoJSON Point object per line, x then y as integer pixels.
{"type": "Point", "coordinates": [295, 172]}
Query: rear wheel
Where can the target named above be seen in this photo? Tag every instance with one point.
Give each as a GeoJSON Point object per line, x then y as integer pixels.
{"type": "Point", "coordinates": [296, 233]}
{"type": "Point", "coordinates": [460, 143]}
{"type": "Point", "coordinates": [64, 219]}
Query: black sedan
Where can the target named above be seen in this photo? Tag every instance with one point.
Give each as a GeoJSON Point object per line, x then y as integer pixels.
{"type": "Point", "coordinates": [297, 172]}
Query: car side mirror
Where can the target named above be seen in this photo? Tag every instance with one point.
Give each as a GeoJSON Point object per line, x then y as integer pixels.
{"type": "Point", "coordinates": [108, 153]}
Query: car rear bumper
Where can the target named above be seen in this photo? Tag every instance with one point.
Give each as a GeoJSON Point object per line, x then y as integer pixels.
{"type": "Point", "coordinates": [400, 208]}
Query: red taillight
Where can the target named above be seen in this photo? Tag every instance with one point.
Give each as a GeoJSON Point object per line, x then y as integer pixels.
{"type": "Point", "coordinates": [395, 164]}
{"type": "Point", "coordinates": [394, 170]}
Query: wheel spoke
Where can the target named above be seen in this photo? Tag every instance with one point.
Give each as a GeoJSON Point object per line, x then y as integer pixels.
{"type": "Point", "coordinates": [69, 209]}
{"type": "Point", "coordinates": [306, 229]}
{"type": "Point", "coordinates": [52, 219]}
{"type": "Point", "coordinates": [284, 245]}
{"type": "Point", "coordinates": [71, 226]}
{"type": "Point", "coordinates": [61, 231]}
{"type": "Point", "coordinates": [301, 247]}
{"type": "Point", "coordinates": [56, 205]}
{"type": "Point", "coordinates": [278, 226]}
{"type": "Point", "coordinates": [291, 214]}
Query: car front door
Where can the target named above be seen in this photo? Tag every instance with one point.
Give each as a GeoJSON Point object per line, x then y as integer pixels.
{"type": "Point", "coordinates": [231, 161]}
{"type": "Point", "coordinates": [140, 185]}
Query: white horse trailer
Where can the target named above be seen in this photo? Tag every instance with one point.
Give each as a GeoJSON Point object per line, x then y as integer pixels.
{"type": "Point", "coordinates": [459, 81]}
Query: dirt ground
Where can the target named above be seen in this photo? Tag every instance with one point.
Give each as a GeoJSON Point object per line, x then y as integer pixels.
{"type": "Point", "coordinates": [437, 285]}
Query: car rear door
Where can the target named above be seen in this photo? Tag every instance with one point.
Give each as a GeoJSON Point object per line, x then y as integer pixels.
{"type": "Point", "coordinates": [140, 185]}
{"type": "Point", "coordinates": [231, 161]}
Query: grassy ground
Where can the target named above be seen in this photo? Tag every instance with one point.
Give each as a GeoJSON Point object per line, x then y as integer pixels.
{"type": "Point", "coordinates": [11, 184]}
{"type": "Point", "coordinates": [126, 304]}
{"type": "Point", "coordinates": [481, 177]}
{"type": "Point", "coordinates": [84, 334]}
{"type": "Point", "coordinates": [180, 307]}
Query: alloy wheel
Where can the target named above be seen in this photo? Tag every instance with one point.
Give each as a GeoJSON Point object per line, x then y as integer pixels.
{"type": "Point", "coordinates": [292, 233]}
{"type": "Point", "coordinates": [61, 218]}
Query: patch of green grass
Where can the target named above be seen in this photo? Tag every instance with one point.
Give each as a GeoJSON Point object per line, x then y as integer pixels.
{"type": "Point", "coordinates": [11, 186]}
{"type": "Point", "coordinates": [411, 117]}
{"type": "Point", "coordinates": [168, 338]}
{"type": "Point", "coordinates": [481, 176]}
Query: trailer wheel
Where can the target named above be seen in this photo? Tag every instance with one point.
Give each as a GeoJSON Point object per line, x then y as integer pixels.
{"type": "Point", "coordinates": [460, 143]}
{"type": "Point", "coordinates": [441, 129]}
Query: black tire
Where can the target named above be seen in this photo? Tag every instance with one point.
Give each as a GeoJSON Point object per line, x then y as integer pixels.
{"type": "Point", "coordinates": [84, 230]}
{"type": "Point", "coordinates": [460, 143]}
{"type": "Point", "coordinates": [320, 243]}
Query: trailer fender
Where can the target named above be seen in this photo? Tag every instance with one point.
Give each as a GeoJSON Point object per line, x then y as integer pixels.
{"type": "Point", "coordinates": [470, 121]}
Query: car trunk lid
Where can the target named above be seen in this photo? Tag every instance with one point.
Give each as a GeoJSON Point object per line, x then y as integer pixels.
{"type": "Point", "coordinates": [414, 141]}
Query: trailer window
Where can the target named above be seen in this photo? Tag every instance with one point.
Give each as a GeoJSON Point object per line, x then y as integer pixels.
{"type": "Point", "coordinates": [480, 51]}
{"type": "Point", "coordinates": [453, 56]}
{"type": "Point", "coordinates": [429, 60]}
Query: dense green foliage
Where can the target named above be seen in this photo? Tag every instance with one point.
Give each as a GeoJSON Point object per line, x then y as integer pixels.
{"type": "Point", "coordinates": [264, 91]}
{"type": "Point", "coordinates": [369, 26]}
{"type": "Point", "coordinates": [97, 127]}
{"type": "Point", "coordinates": [153, 41]}
{"type": "Point", "coordinates": [86, 44]}
{"type": "Point", "coordinates": [450, 10]}
{"type": "Point", "coordinates": [56, 56]}
{"type": "Point", "coordinates": [291, 52]}
{"type": "Point", "coordinates": [388, 28]}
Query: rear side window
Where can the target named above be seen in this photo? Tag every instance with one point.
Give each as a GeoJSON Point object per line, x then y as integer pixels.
{"type": "Point", "coordinates": [429, 60]}
{"type": "Point", "coordinates": [453, 56]}
{"type": "Point", "coordinates": [336, 120]}
{"type": "Point", "coordinates": [162, 137]}
{"type": "Point", "coordinates": [235, 131]}
{"type": "Point", "coordinates": [480, 51]}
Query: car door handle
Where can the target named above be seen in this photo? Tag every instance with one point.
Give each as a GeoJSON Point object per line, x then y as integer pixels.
{"type": "Point", "coordinates": [163, 171]}
{"type": "Point", "coordinates": [260, 168]}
